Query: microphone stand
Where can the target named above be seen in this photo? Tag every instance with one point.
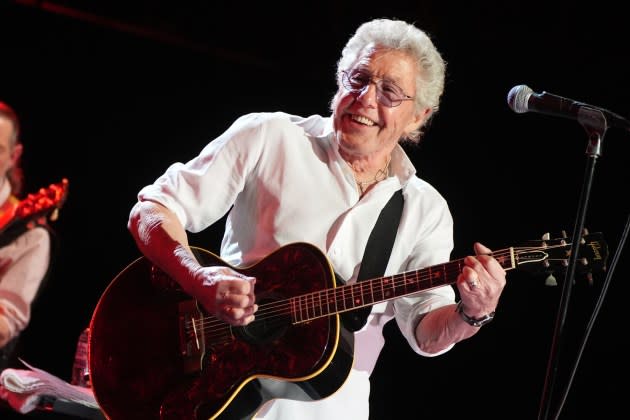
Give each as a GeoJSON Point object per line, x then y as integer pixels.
{"type": "Point", "coordinates": [595, 123]}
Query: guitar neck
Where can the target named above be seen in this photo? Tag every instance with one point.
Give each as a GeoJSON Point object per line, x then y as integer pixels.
{"type": "Point", "coordinates": [35, 208]}
{"type": "Point", "coordinates": [368, 292]}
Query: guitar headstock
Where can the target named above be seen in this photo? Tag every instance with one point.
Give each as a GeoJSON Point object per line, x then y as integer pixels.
{"type": "Point", "coordinates": [552, 255]}
{"type": "Point", "coordinates": [44, 203]}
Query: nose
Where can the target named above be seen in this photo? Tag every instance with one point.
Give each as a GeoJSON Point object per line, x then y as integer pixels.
{"type": "Point", "coordinates": [368, 94]}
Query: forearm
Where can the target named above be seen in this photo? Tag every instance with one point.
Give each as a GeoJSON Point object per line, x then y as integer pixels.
{"type": "Point", "coordinates": [441, 328]}
{"type": "Point", "coordinates": [162, 239]}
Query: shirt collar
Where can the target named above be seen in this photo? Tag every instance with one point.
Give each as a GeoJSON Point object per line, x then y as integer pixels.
{"type": "Point", "coordinates": [401, 165]}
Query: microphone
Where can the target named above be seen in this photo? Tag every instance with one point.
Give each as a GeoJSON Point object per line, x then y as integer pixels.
{"type": "Point", "coordinates": [522, 99]}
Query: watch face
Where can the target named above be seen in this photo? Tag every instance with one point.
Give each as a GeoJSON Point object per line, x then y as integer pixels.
{"type": "Point", "coordinates": [483, 321]}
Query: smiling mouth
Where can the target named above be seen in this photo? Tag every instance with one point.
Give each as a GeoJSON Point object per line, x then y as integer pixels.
{"type": "Point", "coordinates": [362, 120]}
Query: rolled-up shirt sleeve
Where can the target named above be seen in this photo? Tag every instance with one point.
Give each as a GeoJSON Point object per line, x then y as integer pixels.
{"type": "Point", "coordinates": [433, 250]}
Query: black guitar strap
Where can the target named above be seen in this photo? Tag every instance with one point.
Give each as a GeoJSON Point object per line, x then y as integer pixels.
{"type": "Point", "coordinates": [376, 255]}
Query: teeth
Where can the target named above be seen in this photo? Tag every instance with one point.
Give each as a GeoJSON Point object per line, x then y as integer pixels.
{"type": "Point", "coordinates": [363, 120]}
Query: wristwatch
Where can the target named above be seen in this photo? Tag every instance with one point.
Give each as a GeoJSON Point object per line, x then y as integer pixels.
{"type": "Point", "coordinates": [475, 322]}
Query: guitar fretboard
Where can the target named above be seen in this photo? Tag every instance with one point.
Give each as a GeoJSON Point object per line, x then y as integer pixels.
{"type": "Point", "coordinates": [368, 292]}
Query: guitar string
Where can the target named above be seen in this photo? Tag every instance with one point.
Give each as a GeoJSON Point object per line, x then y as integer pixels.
{"type": "Point", "coordinates": [281, 310]}
{"type": "Point", "coordinates": [280, 307]}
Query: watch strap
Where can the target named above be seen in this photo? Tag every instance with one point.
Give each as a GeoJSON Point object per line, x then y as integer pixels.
{"type": "Point", "coordinates": [475, 322]}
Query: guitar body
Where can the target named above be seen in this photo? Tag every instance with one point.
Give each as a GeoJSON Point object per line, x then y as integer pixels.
{"type": "Point", "coordinates": [154, 354]}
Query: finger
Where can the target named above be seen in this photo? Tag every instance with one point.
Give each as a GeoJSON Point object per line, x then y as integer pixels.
{"type": "Point", "coordinates": [244, 321]}
{"type": "Point", "coordinates": [472, 276]}
{"type": "Point", "coordinates": [224, 296]}
{"type": "Point", "coordinates": [481, 249]}
{"type": "Point", "coordinates": [473, 263]}
{"type": "Point", "coordinates": [231, 313]}
{"type": "Point", "coordinates": [472, 282]}
{"type": "Point", "coordinates": [238, 301]}
{"type": "Point", "coordinates": [225, 313]}
{"type": "Point", "coordinates": [489, 262]}
{"type": "Point", "coordinates": [238, 316]}
{"type": "Point", "coordinates": [249, 281]}
{"type": "Point", "coordinates": [468, 279]}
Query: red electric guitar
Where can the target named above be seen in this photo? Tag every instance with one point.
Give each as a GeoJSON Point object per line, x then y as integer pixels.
{"type": "Point", "coordinates": [17, 216]}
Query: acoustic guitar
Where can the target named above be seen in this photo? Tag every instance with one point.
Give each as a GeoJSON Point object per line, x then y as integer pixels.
{"type": "Point", "coordinates": [155, 354]}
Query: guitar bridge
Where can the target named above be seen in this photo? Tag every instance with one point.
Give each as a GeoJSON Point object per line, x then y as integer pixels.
{"type": "Point", "coordinates": [191, 336]}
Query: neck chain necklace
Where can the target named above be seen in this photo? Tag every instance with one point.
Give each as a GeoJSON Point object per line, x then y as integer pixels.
{"type": "Point", "coordinates": [380, 175]}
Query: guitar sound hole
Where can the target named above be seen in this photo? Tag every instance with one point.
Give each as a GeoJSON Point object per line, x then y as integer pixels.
{"type": "Point", "coordinates": [266, 327]}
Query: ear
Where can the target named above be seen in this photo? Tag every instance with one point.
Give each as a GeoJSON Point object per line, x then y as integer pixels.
{"type": "Point", "coordinates": [418, 120]}
{"type": "Point", "coordinates": [16, 153]}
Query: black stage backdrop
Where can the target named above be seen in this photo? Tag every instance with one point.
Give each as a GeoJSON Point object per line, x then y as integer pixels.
{"type": "Point", "coordinates": [109, 94]}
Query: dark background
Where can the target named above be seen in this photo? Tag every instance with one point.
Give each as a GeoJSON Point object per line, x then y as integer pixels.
{"type": "Point", "coordinates": [111, 92]}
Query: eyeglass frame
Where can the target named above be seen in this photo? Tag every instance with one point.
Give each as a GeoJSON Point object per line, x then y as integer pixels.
{"type": "Point", "coordinates": [378, 82]}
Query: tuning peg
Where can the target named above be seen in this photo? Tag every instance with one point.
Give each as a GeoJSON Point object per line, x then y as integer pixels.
{"type": "Point", "coordinates": [551, 280]}
{"type": "Point", "coordinates": [564, 234]}
{"type": "Point", "coordinates": [585, 231]}
{"type": "Point", "coordinates": [546, 236]}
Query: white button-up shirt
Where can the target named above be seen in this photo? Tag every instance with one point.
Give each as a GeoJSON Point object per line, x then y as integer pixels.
{"type": "Point", "coordinates": [283, 180]}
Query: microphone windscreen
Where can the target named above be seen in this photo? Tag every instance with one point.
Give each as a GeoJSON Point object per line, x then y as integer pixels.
{"type": "Point", "coordinates": [518, 97]}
